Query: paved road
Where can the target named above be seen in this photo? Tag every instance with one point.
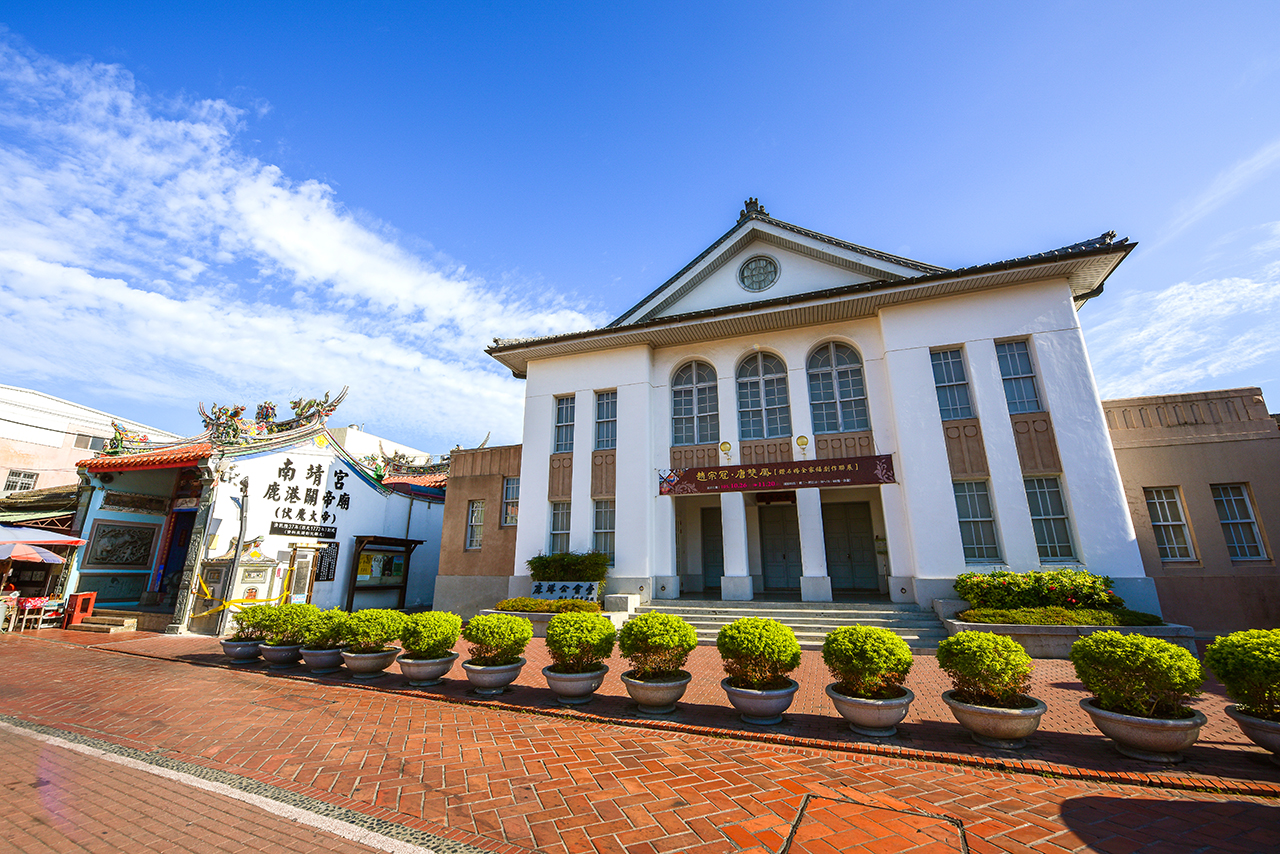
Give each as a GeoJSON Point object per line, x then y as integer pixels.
{"type": "Point", "coordinates": [509, 781]}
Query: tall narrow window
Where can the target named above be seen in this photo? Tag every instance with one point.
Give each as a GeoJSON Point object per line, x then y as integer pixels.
{"type": "Point", "coordinates": [1049, 518]}
{"type": "Point", "coordinates": [606, 420]}
{"type": "Point", "coordinates": [564, 424]}
{"type": "Point", "coordinates": [559, 527]}
{"type": "Point", "coordinates": [837, 393]}
{"type": "Point", "coordinates": [764, 410]}
{"type": "Point", "coordinates": [475, 523]}
{"type": "Point", "coordinates": [1169, 523]}
{"type": "Point", "coordinates": [510, 500]}
{"type": "Point", "coordinates": [1238, 525]}
{"type": "Point", "coordinates": [952, 385]}
{"type": "Point", "coordinates": [695, 405]}
{"type": "Point", "coordinates": [602, 540]}
{"type": "Point", "coordinates": [1019, 377]}
{"type": "Point", "coordinates": [977, 522]}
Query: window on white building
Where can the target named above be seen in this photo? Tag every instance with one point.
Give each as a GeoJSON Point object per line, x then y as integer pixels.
{"type": "Point", "coordinates": [559, 527]}
{"type": "Point", "coordinates": [1049, 518]}
{"type": "Point", "coordinates": [20, 481]}
{"type": "Point", "coordinates": [510, 500]}
{"type": "Point", "coordinates": [89, 443]}
{"type": "Point", "coordinates": [1169, 523]}
{"type": "Point", "coordinates": [475, 523]}
{"type": "Point", "coordinates": [837, 393]}
{"type": "Point", "coordinates": [977, 522]}
{"type": "Point", "coordinates": [1019, 377]}
{"type": "Point", "coordinates": [564, 424]}
{"type": "Point", "coordinates": [764, 409]}
{"type": "Point", "coordinates": [606, 420]}
{"type": "Point", "coordinates": [952, 385]}
{"type": "Point", "coordinates": [695, 405]}
{"type": "Point", "coordinates": [603, 538]}
{"type": "Point", "coordinates": [1238, 524]}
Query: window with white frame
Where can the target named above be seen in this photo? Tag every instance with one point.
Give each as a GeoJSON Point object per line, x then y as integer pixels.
{"type": "Point", "coordinates": [977, 522]}
{"type": "Point", "coordinates": [510, 500]}
{"type": "Point", "coordinates": [1239, 527]}
{"type": "Point", "coordinates": [1019, 377]}
{"type": "Point", "coordinates": [603, 538]}
{"type": "Point", "coordinates": [90, 443]}
{"type": "Point", "coordinates": [564, 424]}
{"type": "Point", "coordinates": [20, 481]}
{"type": "Point", "coordinates": [606, 420]}
{"type": "Point", "coordinates": [695, 405]}
{"type": "Point", "coordinates": [475, 523]}
{"type": "Point", "coordinates": [1049, 518]}
{"type": "Point", "coordinates": [952, 384]}
{"type": "Point", "coordinates": [559, 527]}
{"type": "Point", "coordinates": [837, 392]}
{"type": "Point", "coordinates": [764, 409]}
{"type": "Point", "coordinates": [1169, 523]}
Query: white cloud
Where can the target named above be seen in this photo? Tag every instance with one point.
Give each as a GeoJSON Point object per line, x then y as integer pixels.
{"type": "Point", "coordinates": [166, 262]}
{"type": "Point", "coordinates": [1225, 186]}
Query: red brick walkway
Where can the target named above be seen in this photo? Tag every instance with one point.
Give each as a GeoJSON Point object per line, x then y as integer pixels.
{"type": "Point", "coordinates": [561, 785]}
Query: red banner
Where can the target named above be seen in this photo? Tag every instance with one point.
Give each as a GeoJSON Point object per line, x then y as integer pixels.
{"type": "Point", "coordinates": [798, 474]}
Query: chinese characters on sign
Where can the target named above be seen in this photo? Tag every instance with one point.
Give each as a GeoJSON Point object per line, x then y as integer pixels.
{"type": "Point", "coordinates": [585, 590]}
{"type": "Point", "coordinates": [303, 502]}
{"type": "Point", "coordinates": [849, 471]}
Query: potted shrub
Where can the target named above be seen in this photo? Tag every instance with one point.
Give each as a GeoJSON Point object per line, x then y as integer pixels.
{"type": "Point", "coordinates": [322, 640]}
{"type": "Point", "coordinates": [758, 653]}
{"type": "Point", "coordinates": [1141, 687]}
{"type": "Point", "coordinates": [990, 675]}
{"type": "Point", "coordinates": [497, 641]}
{"type": "Point", "coordinates": [1248, 663]}
{"type": "Point", "coordinates": [428, 639]}
{"type": "Point", "coordinates": [243, 646]}
{"type": "Point", "coordinates": [869, 665]}
{"type": "Point", "coordinates": [285, 631]}
{"type": "Point", "coordinates": [657, 646]}
{"type": "Point", "coordinates": [578, 644]}
{"type": "Point", "coordinates": [367, 636]}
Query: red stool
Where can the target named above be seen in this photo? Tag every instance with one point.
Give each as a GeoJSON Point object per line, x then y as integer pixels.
{"type": "Point", "coordinates": [79, 606]}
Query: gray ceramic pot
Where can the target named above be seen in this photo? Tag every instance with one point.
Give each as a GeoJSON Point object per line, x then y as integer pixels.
{"type": "Point", "coordinates": [322, 661]}
{"type": "Point", "coordinates": [241, 652]}
{"type": "Point", "coordinates": [657, 696]}
{"type": "Point", "coordinates": [763, 708]}
{"type": "Point", "coordinates": [369, 665]}
{"type": "Point", "coordinates": [425, 672]}
{"type": "Point", "coordinates": [876, 718]}
{"type": "Point", "coordinates": [1264, 733]}
{"type": "Point", "coordinates": [282, 657]}
{"type": "Point", "coordinates": [1149, 739]}
{"type": "Point", "coordinates": [574, 689]}
{"type": "Point", "coordinates": [490, 681]}
{"type": "Point", "coordinates": [1007, 729]}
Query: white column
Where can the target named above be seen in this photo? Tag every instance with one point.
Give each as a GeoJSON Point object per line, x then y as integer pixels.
{"type": "Point", "coordinates": [664, 552]}
{"type": "Point", "coordinates": [736, 583]}
{"type": "Point", "coordinates": [582, 518]}
{"type": "Point", "coordinates": [535, 511]}
{"type": "Point", "coordinates": [815, 584]}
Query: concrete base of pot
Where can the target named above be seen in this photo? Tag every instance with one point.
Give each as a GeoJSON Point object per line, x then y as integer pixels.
{"type": "Point", "coordinates": [322, 661]}
{"type": "Point", "coordinates": [1007, 729]}
{"type": "Point", "coordinates": [875, 718]}
{"type": "Point", "coordinates": [657, 696]}
{"type": "Point", "coordinates": [763, 708]}
{"type": "Point", "coordinates": [282, 657]}
{"type": "Point", "coordinates": [425, 672]}
{"type": "Point", "coordinates": [574, 689]}
{"type": "Point", "coordinates": [241, 652]}
{"type": "Point", "coordinates": [369, 665]}
{"type": "Point", "coordinates": [1264, 733]}
{"type": "Point", "coordinates": [489, 681]}
{"type": "Point", "coordinates": [1149, 739]}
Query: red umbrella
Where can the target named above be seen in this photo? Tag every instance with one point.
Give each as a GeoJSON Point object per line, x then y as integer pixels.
{"type": "Point", "coordinates": [23, 551]}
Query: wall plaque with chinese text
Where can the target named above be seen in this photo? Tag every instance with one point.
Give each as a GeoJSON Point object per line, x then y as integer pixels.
{"type": "Point", "coordinates": [327, 563]}
{"type": "Point", "coordinates": [290, 529]}
{"type": "Point", "coordinates": [797, 474]}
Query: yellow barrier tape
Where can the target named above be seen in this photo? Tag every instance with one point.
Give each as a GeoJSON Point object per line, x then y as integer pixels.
{"type": "Point", "coordinates": [228, 603]}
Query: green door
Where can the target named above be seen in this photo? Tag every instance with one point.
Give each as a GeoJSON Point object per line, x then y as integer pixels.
{"type": "Point", "coordinates": [780, 545]}
{"type": "Point", "coordinates": [850, 546]}
{"type": "Point", "coordinates": [712, 549]}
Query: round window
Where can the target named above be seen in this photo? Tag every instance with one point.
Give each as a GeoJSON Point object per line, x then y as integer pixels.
{"type": "Point", "coordinates": [758, 273]}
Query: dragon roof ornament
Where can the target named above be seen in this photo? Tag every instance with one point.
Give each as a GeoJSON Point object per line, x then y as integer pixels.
{"type": "Point", "coordinates": [225, 426]}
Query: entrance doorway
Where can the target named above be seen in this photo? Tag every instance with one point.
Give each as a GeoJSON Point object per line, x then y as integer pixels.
{"type": "Point", "coordinates": [850, 546]}
{"type": "Point", "coordinates": [780, 547]}
{"type": "Point", "coordinates": [175, 560]}
{"type": "Point", "coordinates": [712, 549]}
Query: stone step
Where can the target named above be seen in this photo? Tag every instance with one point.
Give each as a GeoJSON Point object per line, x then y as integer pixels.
{"type": "Point", "coordinates": [106, 625]}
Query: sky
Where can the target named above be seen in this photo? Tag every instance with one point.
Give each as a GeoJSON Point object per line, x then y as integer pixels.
{"type": "Point", "coordinates": [234, 202]}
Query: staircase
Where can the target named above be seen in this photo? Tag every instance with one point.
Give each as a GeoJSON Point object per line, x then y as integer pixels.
{"type": "Point", "coordinates": [106, 624]}
{"type": "Point", "coordinates": [810, 621]}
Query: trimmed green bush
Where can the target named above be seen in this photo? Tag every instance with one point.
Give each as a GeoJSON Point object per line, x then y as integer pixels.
{"type": "Point", "coordinates": [987, 669]}
{"type": "Point", "coordinates": [569, 566]}
{"type": "Point", "coordinates": [1248, 663]}
{"type": "Point", "coordinates": [1062, 588]}
{"type": "Point", "coordinates": [578, 642]}
{"type": "Point", "coordinates": [1055, 616]}
{"type": "Point", "coordinates": [527, 605]}
{"type": "Point", "coordinates": [252, 622]}
{"type": "Point", "coordinates": [867, 662]}
{"type": "Point", "coordinates": [430, 634]}
{"type": "Point", "coordinates": [1137, 675]}
{"type": "Point", "coordinates": [287, 626]}
{"type": "Point", "coordinates": [657, 645]}
{"type": "Point", "coordinates": [758, 652]}
{"type": "Point", "coordinates": [372, 629]}
{"type": "Point", "coordinates": [497, 638]}
{"type": "Point", "coordinates": [326, 629]}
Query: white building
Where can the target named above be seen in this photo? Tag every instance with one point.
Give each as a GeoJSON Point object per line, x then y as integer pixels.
{"type": "Point", "coordinates": [792, 412]}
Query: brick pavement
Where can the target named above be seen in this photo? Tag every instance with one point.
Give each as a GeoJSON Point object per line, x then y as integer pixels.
{"type": "Point", "coordinates": [562, 785]}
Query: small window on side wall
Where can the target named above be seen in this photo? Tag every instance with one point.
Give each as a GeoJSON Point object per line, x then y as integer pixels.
{"type": "Point", "coordinates": [560, 515]}
{"type": "Point", "coordinates": [1169, 523]}
{"type": "Point", "coordinates": [1019, 377]}
{"type": "Point", "coordinates": [475, 524]}
{"type": "Point", "coordinates": [952, 385]}
{"type": "Point", "coordinates": [1239, 527]}
{"type": "Point", "coordinates": [510, 500]}
{"type": "Point", "coordinates": [1049, 519]}
{"type": "Point", "coordinates": [564, 425]}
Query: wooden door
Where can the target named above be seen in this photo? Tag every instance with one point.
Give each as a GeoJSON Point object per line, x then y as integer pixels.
{"type": "Point", "coordinates": [780, 547]}
{"type": "Point", "coordinates": [850, 546]}
{"type": "Point", "coordinates": [712, 548]}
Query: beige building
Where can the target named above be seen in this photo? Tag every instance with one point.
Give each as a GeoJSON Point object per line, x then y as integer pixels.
{"type": "Point", "coordinates": [1201, 474]}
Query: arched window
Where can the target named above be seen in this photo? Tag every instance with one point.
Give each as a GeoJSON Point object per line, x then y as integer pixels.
{"type": "Point", "coordinates": [764, 410]}
{"type": "Point", "coordinates": [837, 393]}
{"type": "Point", "coordinates": [695, 405]}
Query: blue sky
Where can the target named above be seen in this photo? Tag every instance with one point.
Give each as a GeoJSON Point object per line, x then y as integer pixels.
{"type": "Point", "coordinates": [233, 202]}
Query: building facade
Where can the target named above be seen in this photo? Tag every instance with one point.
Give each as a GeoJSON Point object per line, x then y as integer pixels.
{"type": "Point", "coordinates": [794, 413]}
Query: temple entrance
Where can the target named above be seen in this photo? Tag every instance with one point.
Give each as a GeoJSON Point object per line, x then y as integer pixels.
{"type": "Point", "coordinates": [780, 547]}
{"type": "Point", "coordinates": [175, 560]}
{"type": "Point", "coordinates": [712, 549]}
{"type": "Point", "coordinates": [850, 546]}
